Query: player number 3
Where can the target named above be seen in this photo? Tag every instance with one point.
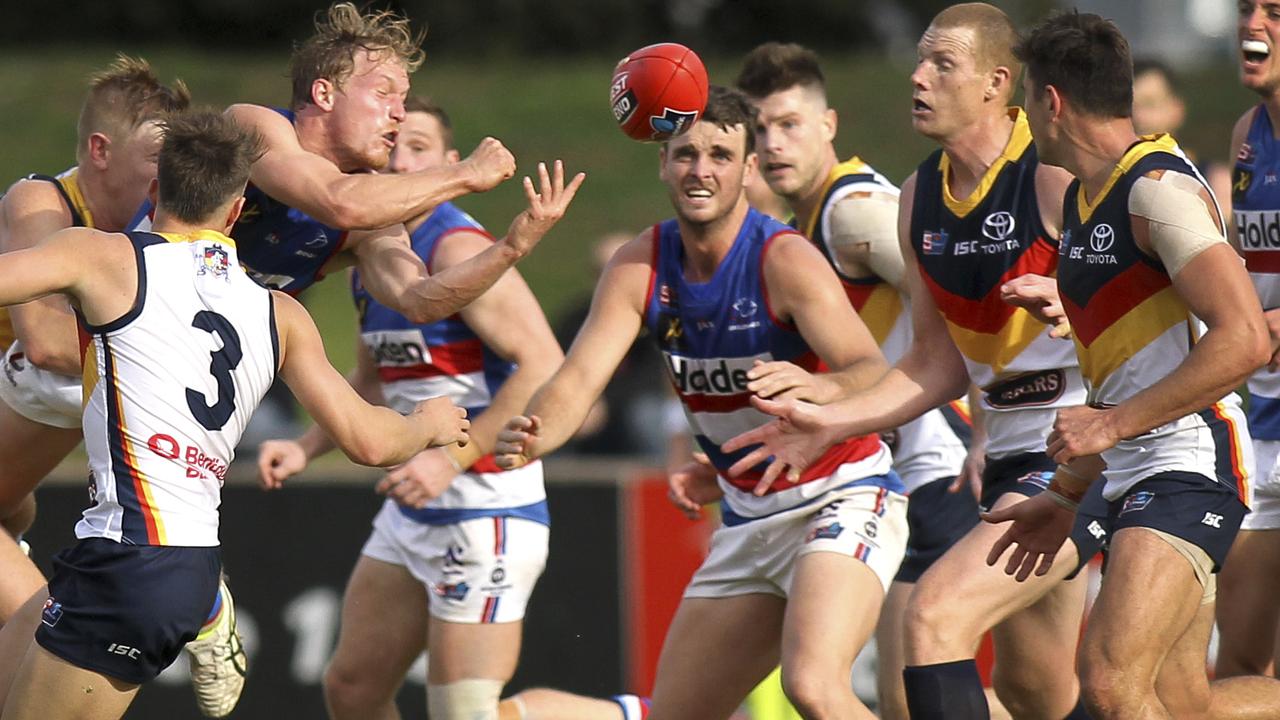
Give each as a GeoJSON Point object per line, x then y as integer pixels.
{"type": "Point", "coordinates": [223, 361]}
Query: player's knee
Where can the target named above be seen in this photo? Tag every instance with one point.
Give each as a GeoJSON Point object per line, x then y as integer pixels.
{"type": "Point", "coordinates": [930, 623]}
{"type": "Point", "coordinates": [810, 690]}
{"type": "Point", "coordinates": [1027, 693]}
{"type": "Point", "coordinates": [471, 699]}
{"type": "Point", "coordinates": [349, 694]}
{"type": "Point", "coordinates": [1111, 689]}
{"type": "Point", "coordinates": [18, 518]}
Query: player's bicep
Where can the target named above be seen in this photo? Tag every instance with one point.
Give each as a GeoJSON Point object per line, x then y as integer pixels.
{"type": "Point", "coordinates": [612, 324]}
{"type": "Point", "coordinates": [803, 287]}
{"type": "Point", "coordinates": [930, 336]}
{"type": "Point", "coordinates": [304, 367]}
{"type": "Point", "coordinates": [864, 236]}
{"type": "Point", "coordinates": [387, 263]}
{"type": "Point", "coordinates": [1051, 191]}
{"type": "Point", "coordinates": [32, 211]}
{"type": "Point", "coordinates": [287, 172]}
{"type": "Point", "coordinates": [1216, 288]}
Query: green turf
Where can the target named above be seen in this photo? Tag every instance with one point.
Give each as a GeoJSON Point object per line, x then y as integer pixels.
{"type": "Point", "coordinates": [542, 109]}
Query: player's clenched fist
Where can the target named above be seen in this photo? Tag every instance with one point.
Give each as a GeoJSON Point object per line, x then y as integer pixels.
{"type": "Point", "coordinates": [443, 422]}
{"type": "Point", "coordinates": [517, 442]}
{"type": "Point", "coordinates": [547, 204]}
{"type": "Point", "coordinates": [491, 163]}
{"type": "Point", "coordinates": [278, 460]}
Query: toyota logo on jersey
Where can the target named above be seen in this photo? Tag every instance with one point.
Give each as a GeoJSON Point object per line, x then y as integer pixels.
{"type": "Point", "coordinates": [998, 225]}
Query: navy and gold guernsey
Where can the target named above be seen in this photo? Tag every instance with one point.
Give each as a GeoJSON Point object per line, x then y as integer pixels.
{"type": "Point", "coordinates": [68, 185]}
{"type": "Point", "coordinates": [1132, 329]}
{"type": "Point", "coordinates": [925, 449]}
{"type": "Point", "coordinates": [966, 249]}
{"type": "Point", "coordinates": [877, 302]}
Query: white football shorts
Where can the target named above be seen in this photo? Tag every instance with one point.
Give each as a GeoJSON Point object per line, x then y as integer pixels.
{"type": "Point", "coordinates": [476, 571]}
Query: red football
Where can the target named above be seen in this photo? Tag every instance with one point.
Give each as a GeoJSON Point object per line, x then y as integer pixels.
{"type": "Point", "coordinates": [658, 91]}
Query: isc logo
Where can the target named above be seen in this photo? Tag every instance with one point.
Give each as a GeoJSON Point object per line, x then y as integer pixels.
{"type": "Point", "coordinates": [130, 652]}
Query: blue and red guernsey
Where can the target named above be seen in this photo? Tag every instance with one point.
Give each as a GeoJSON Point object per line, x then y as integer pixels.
{"type": "Point", "coordinates": [281, 247]}
{"type": "Point", "coordinates": [1132, 330]}
{"type": "Point", "coordinates": [447, 358]}
{"type": "Point", "coordinates": [965, 250]}
{"type": "Point", "coordinates": [710, 335]}
{"type": "Point", "coordinates": [1255, 202]}
{"type": "Point", "coordinates": [421, 361]}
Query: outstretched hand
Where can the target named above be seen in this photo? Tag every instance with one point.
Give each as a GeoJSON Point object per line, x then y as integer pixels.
{"type": "Point", "coordinates": [1039, 528]}
{"type": "Point", "coordinates": [783, 380]}
{"type": "Point", "coordinates": [794, 441]}
{"type": "Point", "coordinates": [547, 204]}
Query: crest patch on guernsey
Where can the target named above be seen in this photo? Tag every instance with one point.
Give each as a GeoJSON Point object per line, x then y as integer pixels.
{"type": "Point", "coordinates": [213, 261]}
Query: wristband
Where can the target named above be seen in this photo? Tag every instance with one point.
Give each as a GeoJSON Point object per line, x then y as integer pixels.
{"type": "Point", "coordinates": [1062, 501]}
{"type": "Point", "coordinates": [457, 466]}
{"type": "Point", "coordinates": [1064, 492]}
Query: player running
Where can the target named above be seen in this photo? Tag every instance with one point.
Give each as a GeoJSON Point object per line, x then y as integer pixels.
{"type": "Point", "coordinates": [851, 213]}
{"type": "Point", "coordinates": [118, 138]}
{"type": "Point", "coordinates": [312, 205]}
{"type": "Point", "coordinates": [161, 432]}
{"type": "Point", "coordinates": [459, 544]}
{"type": "Point", "coordinates": [978, 218]}
{"type": "Point", "coordinates": [797, 572]}
{"type": "Point", "coordinates": [1166, 325]}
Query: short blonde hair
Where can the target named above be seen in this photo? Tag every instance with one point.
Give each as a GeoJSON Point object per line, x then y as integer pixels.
{"type": "Point", "coordinates": [341, 32]}
{"type": "Point", "coordinates": [126, 95]}
{"type": "Point", "coordinates": [994, 33]}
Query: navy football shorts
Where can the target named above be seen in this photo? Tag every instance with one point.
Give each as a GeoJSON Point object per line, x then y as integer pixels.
{"type": "Point", "coordinates": [126, 610]}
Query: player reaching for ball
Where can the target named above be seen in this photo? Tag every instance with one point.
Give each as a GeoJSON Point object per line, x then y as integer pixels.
{"type": "Point", "coordinates": [458, 546]}
{"type": "Point", "coordinates": [797, 573]}
{"type": "Point", "coordinates": [183, 346]}
{"type": "Point", "coordinates": [313, 207]}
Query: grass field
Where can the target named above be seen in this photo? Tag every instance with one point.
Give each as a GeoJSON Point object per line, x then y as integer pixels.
{"type": "Point", "coordinates": [542, 110]}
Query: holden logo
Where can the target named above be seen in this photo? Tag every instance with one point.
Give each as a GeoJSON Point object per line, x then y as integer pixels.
{"type": "Point", "coordinates": [1102, 239]}
{"type": "Point", "coordinates": [998, 226]}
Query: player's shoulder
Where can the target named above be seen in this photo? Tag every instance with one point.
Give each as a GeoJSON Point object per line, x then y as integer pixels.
{"type": "Point", "coordinates": [268, 122]}
{"type": "Point", "coordinates": [788, 246]}
{"type": "Point", "coordinates": [1241, 129]}
{"type": "Point", "coordinates": [639, 249]}
{"type": "Point", "coordinates": [34, 193]}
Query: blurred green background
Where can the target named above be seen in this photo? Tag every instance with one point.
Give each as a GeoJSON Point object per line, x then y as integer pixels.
{"type": "Point", "coordinates": [543, 109]}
